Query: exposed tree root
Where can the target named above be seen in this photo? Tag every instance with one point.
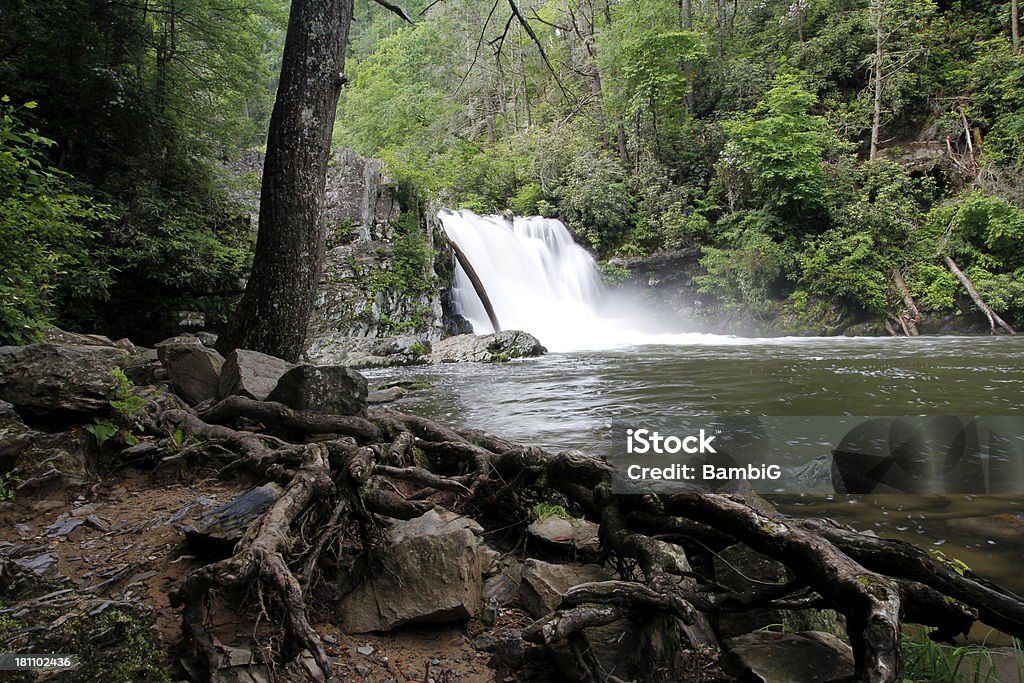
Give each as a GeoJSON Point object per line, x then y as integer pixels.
{"type": "Point", "coordinates": [387, 463]}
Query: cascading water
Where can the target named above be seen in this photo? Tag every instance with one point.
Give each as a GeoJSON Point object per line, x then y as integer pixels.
{"type": "Point", "coordinates": [539, 280]}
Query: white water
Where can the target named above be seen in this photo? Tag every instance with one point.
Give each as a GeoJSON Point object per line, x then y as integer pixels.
{"type": "Point", "coordinates": [539, 280]}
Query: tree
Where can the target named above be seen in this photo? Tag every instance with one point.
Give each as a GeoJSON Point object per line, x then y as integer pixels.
{"type": "Point", "coordinates": [275, 309]}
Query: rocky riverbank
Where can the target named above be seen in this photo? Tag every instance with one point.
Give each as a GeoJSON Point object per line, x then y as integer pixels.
{"type": "Point", "coordinates": [130, 474]}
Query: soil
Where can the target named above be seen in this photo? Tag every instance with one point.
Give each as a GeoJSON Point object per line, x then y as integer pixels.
{"type": "Point", "coordinates": [130, 547]}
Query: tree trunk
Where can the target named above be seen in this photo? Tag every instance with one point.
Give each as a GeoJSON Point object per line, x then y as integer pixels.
{"type": "Point", "coordinates": [993, 317]}
{"type": "Point", "coordinates": [275, 309]}
{"type": "Point", "coordinates": [1015, 26]}
{"type": "Point", "coordinates": [478, 284]}
{"type": "Point", "coordinates": [878, 12]}
{"type": "Point", "coordinates": [912, 317]}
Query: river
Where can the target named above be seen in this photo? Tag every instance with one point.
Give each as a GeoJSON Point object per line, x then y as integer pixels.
{"type": "Point", "coordinates": [569, 400]}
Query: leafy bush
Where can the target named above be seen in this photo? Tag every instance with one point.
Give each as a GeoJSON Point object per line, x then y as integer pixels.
{"type": "Point", "coordinates": [594, 199]}
{"type": "Point", "coordinates": [46, 233]}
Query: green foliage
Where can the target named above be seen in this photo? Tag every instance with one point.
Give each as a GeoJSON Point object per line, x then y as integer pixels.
{"type": "Point", "coordinates": [8, 491]}
{"type": "Point", "coordinates": [925, 661]}
{"type": "Point", "coordinates": [123, 425]}
{"type": "Point", "coordinates": [595, 201]}
{"type": "Point", "coordinates": [46, 233]}
{"type": "Point", "coordinates": [778, 148]}
{"type": "Point", "coordinates": [751, 270]}
{"type": "Point", "coordinates": [545, 511]}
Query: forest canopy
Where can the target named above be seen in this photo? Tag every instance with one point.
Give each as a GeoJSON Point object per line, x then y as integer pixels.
{"type": "Point", "coordinates": [805, 150]}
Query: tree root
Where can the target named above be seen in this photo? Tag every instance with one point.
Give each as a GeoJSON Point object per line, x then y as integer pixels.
{"type": "Point", "coordinates": [384, 464]}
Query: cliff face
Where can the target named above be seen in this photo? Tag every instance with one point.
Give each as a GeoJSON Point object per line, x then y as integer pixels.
{"type": "Point", "coordinates": [388, 268]}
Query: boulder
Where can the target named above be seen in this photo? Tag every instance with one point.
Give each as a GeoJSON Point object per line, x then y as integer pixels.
{"type": "Point", "coordinates": [37, 459]}
{"type": "Point", "coordinates": [369, 352]}
{"type": "Point", "coordinates": [225, 525]}
{"type": "Point", "coordinates": [386, 395]}
{"type": "Point", "coordinates": [543, 584]}
{"type": "Point", "coordinates": [58, 336]}
{"type": "Point", "coordinates": [805, 657]}
{"type": "Point", "coordinates": [194, 369]}
{"type": "Point", "coordinates": [251, 373]}
{"type": "Point", "coordinates": [429, 573]}
{"type": "Point", "coordinates": [643, 649]}
{"type": "Point", "coordinates": [47, 378]}
{"type": "Point", "coordinates": [500, 346]}
{"type": "Point", "coordinates": [738, 568]}
{"type": "Point", "coordinates": [572, 536]}
{"type": "Point", "coordinates": [327, 389]}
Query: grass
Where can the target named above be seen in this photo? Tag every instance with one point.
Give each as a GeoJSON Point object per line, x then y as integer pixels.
{"type": "Point", "coordinates": [925, 661]}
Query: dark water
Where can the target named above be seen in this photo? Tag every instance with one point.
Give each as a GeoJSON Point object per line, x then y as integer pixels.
{"type": "Point", "coordinates": [569, 400]}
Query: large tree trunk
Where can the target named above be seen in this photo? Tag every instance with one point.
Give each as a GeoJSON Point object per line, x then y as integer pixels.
{"type": "Point", "coordinates": [278, 299]}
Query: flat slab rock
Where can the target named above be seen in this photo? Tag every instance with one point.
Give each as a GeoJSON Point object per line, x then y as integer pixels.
{"type": "Point", "coordinates": [543, 584]}
{"type": "Point", "coordinates": [227, 523]}
{"type": "Point", "coordinates": [806, 657]}
{"type": "Point", "coordinates": [430, 573]}
{"type": "Point", "coordinates": [570, 534]}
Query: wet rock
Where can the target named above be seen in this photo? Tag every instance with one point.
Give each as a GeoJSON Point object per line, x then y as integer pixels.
{"type": "Point", "coordinates": [806, 657]}
{"type": "Point", "coordinates": [573, 536]}
{"type": "Point", "coordinates": [47, 378]}
{"type": "Point", "coordinates": [328, 389]}
{"type": "Point", "coordinates": [251, 374]}
{"type": "Point", "coordinates": [543, 584]}
{"type": "Point", "coordinates": [429, 573]}
{"type": "Point", "coordinates": [500, 346]}
{"type": "Point", "coordinates": [194, 369]}
{"type": "Point", "coordinates": [814, 477]}
{"type": "Point", "coordinates": [386, 395]}
{"type": "Point", "coordinates": [226, 524]}
{"type": "Point", "coordinates": [1005, 526]}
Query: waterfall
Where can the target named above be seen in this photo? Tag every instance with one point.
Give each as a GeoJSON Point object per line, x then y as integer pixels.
{"type": "Point", "coordinates": [539, 280]}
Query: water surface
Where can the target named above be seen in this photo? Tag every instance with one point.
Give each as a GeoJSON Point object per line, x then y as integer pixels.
{"type": "Point", "coordinates": [569, 400]}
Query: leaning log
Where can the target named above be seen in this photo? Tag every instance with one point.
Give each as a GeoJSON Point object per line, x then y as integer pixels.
{"type": "Point", "coordinates": [478, 285]}
{"type": "Point", "coordinates": [993, 317]}
{"type": "Point", "coordinates": [912, 317]}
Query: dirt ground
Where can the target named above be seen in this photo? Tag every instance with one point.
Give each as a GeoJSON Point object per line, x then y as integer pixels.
{"type": "Point", "coordinates": [127, 545]}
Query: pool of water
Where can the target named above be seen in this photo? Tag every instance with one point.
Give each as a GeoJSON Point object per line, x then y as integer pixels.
{"type": "Point", "coordinates": [570, 400]}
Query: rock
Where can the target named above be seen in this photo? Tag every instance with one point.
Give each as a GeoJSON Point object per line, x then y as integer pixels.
{"type": "Point", "coordinates": [251, 373]}
{"type": "Point", "coordinates": [543, 584]}
{"type": "Point", "coordinates": [42, 459]}
{"type": "Point", "coordinates": [429, 573]}
{"type": "Point", "coordinates": [40, 560]}
{"type": "Point", "coordinates": [504, 586]}
{"type": "Point", "coordinates": [500, 346]}
{"type": "Point", "coordinates": [644, 649]}
{"type": "Point", "coordinates": [806, 657]}
{"type": "Point", "coordinates": [365, 650]}
{"type": "Point", "coordinates": [328, 389]}
{"type": "Point", "coordinates": [574, 536]}
{"type": "Point", "coordinates": [194, 369]}
{"type": "Point", "coordinates": [812, 478]}
{"type": "Point", "coordinates": [1007, 526]}
{"type": "Point", "coordinates": [735, 566]}
{"type": "Point", "coordinates": [386, 395]}
{"type": "Point", "coordinates": [432, 523]}
{"type": "Point", "coordinates": [47, 378]}
{"type": "Point", "coordinates": [58, 336]}
{"type": "Point", "coordinates": [227, 523]}
{"type": "Point", "coordinates": [369, 352]}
